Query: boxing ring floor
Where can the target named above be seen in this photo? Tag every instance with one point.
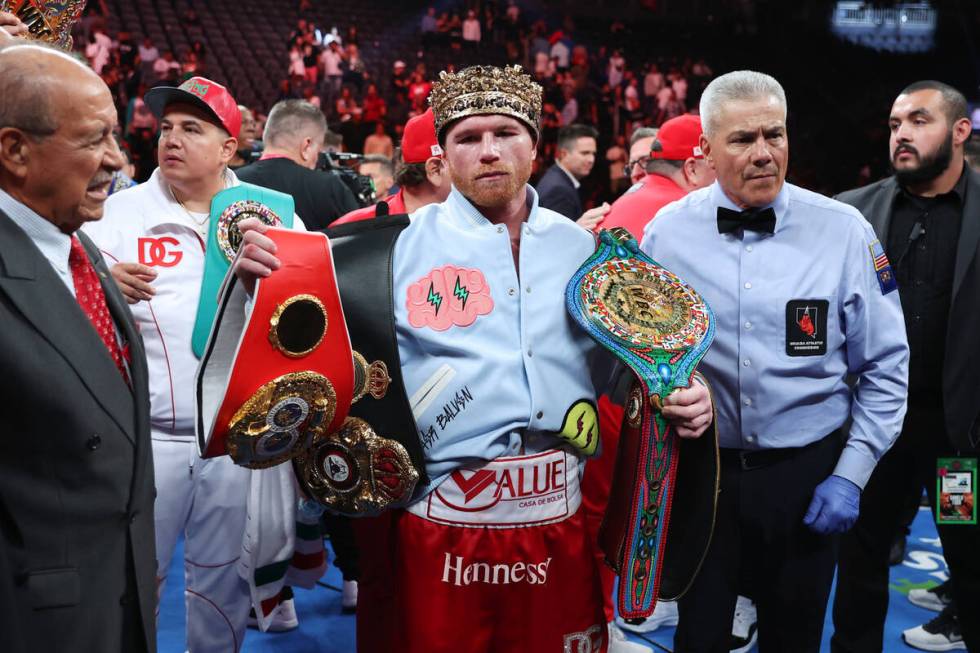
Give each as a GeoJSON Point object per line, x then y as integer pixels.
{"type": "Point", "coordinates": [324, 629]}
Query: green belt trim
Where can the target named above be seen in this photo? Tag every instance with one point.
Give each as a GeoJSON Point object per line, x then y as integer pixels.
{"type": "Point", "coordinates": [271, 573]}
{"type": "Point", "coordinates": [216, 265]}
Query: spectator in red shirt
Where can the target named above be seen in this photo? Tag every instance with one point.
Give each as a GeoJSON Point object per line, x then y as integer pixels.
{"type": "Point", "coordinates": [676, 167]}
{"type": "Point", "coordinates": [373, 106]}
{"type": "Point", "coordinates": [418, 91]}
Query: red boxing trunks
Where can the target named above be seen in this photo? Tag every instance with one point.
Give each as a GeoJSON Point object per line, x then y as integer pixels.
{"type": "Point", "coordinates": [499, 558]}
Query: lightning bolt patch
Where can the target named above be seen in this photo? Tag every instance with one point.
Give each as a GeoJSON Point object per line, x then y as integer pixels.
{"type": "Point", "coordinates": [435, 298]}
{"type": "Point", "coordinates": [461, 292]}
{"type": "Point", "coordinates": [581, 426]}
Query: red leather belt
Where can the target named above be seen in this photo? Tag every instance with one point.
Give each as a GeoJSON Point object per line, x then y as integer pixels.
{"type": "Point", "coordinates": [292, 373]}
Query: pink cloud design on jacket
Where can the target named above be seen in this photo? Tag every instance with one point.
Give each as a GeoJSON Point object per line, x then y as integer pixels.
{"type": "Point", "coordinates": [448, 296]}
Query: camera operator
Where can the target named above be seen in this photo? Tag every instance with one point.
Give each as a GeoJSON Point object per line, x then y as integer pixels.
{"type": "Point", "coordinates": [421, 173]}
{"type": "Point", "coordinates": [294, 133]}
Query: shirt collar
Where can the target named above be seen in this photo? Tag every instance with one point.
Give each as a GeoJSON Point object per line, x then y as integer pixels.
{"type": "Point", "coordinates": [575, 182]}
{"type": "Point", "coordinates": [458, 205]}
{"type": "Point", "coordinates": [54, 244]}
{"type": "Point", "coordinates": [779, 205]}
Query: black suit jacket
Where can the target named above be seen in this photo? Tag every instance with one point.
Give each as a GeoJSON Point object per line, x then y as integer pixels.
{"type": "Point", "coordinates": [77, 554]}
{"type": "Point", "coordinates": [320, 197]}
{"type": "Point", "coordinates": [557, 192]}
{"type": "Point", "coordinates": [961, 367]}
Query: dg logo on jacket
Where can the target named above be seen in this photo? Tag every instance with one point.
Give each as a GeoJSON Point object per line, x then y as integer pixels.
{"type": "Point", "coordinates": [161, 252]}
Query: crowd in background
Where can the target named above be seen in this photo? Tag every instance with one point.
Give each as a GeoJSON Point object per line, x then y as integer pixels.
{"type": "Point", "coordinates": [613, 82]}
{"type": "Point", "coordinates": [582, 84]}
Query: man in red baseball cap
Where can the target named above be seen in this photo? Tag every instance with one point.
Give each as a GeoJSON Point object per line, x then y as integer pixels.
{"type": "Point", "coordinates": [155, 234]}
{"type": "Point", "coordinates": [676, 167]}
{"type": "Point", "coordinates": [210, 97]}
{"type": "Point", "coordinates": [421, 173]}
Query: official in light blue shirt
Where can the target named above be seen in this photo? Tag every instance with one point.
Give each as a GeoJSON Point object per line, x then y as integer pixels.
{"type": "Point", "coordinates": [815, 268]}
{"type": "Point", "coordinates": [804, 298]}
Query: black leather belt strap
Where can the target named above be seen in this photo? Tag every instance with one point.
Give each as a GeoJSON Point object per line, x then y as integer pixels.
{"type": "Point", "coordinates": [362, 254]}
{"type": "Point", "coordinates": [749, 459]}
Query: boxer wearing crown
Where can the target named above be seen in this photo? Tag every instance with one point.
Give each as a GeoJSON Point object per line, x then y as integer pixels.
{"type": "Point", "coordinates": [493, 554]}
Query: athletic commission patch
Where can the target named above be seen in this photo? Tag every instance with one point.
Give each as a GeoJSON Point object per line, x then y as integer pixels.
{"type": "Point", "coordinates": [806, 327]}
{"type": "Point", "coordinates": [883, 269]}
{"type": "Point", "coordinates": [448, 296]}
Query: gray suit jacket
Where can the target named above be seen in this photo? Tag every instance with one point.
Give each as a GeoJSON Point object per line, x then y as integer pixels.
{"type": "Point", "coordinates": [77, 554]}
{"type": "Point", "coordinates": [961, 367]}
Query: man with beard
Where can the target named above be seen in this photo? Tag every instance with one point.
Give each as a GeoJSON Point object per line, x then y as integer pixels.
{"type": "Point", "coordinates": [928, 217]}
{"type": "Point", "coordinates": [472, 566]}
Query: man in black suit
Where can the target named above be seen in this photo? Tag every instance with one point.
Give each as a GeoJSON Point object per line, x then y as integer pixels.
{"type": "Point", "coordinates": [77, 552]}
{"type": "Point", "coordinates": [558, 187]}
{"type": "Point", "coordinates": [927, 216]}
{"type": "Point", "coordinates": [293, 137]}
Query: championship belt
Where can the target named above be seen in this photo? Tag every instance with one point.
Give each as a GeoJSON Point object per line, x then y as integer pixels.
{"type": "Point", "coordinates": [660, 328]}
{"type": "Point", "coordinates": [228, 208]}
{"type": "Point", "coordinates": [47, 20]}
{"type": "Point", "coordinates": [363, 252]}
{"type": "Point", "coordinates": [355, 472]}
{"type": "Point", "coordinates": [269, 382]}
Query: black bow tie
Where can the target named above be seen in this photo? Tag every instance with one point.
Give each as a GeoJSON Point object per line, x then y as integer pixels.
{"type": "Point", "coordinates": [761, 220]}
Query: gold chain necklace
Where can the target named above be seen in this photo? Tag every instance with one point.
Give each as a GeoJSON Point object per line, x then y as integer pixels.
{"type": "Point", "coordinates": [201, 224]}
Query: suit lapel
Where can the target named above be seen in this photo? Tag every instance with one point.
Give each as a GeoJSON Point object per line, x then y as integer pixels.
{"type": "Point", "coordinates": [880, 213]}
{"type": "Point", "coordinates": [969, 241]}
{"type": "Point", "coordinates": [39, 294]}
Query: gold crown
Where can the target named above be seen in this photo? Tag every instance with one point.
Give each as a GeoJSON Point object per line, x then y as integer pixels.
{"type": "Point", "coordinates": [47, 20]}
{"type": "Point", "coordinates": [481, 90]}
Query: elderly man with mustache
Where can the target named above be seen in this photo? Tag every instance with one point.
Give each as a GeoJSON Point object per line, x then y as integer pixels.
{"type": "Point", "coordinates": [76, 477]}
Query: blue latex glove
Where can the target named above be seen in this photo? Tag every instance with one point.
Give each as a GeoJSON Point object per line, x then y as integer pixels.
{"type": "Point", "coordinates": [835, 506]}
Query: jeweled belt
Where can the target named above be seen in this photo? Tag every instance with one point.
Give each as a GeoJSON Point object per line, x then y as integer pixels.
{"type": "Point", "coordinates": [660, 328]}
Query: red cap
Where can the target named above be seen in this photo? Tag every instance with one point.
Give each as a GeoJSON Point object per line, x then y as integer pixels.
{"type": "Point", "coordinates": [678, 139]}
{"type": "Point", "coordinates": [419, 142]}
{"type": "Point", "coordinates": [203, 93]}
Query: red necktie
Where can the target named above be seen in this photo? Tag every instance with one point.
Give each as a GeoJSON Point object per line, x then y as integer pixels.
{"type": "Point", "coordinates": [88, 292]}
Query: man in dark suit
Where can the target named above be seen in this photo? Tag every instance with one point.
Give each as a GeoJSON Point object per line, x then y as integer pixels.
{"type": "Point", "coordinates": [558, 187]}
{"type": "Point", "coordinates": [77, 552]}
{"type": "Point", "coordinates": [293, 136]}
{"type": "Point", "coordinates": [927, 216]}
